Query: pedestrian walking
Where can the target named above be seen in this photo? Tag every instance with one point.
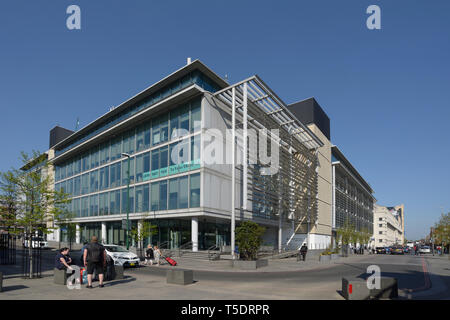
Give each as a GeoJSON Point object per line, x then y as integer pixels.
{"type": "Point", "coordinates": [157, 255]}
{"type": "Point", "coordinates": [149, 255]}
{"type": "Point", "coordinates": [94, 258]}
{"type": "Point", "coordinates": [303, 251]}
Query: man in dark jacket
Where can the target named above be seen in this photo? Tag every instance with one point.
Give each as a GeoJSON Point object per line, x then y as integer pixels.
{"type": "Point", "coordinates": [303, 251]}
{"type": "Point", "coordinates": [94, 257]}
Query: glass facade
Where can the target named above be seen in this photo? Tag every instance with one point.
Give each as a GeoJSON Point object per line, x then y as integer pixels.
{"type": "Point", "coordinates": [194, 77]}
{"type": "Point", "coordinates": [99, 188]}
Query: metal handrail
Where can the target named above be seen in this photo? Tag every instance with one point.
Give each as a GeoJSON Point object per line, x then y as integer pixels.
{"type": "Point", "coordinates": [184, 247]}
{"type": "Point", "coordinates": [214, 255]}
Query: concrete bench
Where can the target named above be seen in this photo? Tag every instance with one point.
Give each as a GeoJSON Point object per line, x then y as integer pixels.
{"type": "Point", "coordinates": [179, 276]}
{"type": "Point", "coordinates": [356, 289]}
{"type": "Point", "coordinates": [59, 276]}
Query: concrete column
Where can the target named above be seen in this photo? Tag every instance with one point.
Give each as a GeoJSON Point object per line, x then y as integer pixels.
{"type": "Point", "coordinates": [77, 233]}
{"type": "Point", "coordinates": [57, 233]}
{"type": "Point", "coordinates": [139, 225]}
{"type": "Point", "coordinates": [104, 234]}
{"type": "Point", "coordinates": [194, 233]}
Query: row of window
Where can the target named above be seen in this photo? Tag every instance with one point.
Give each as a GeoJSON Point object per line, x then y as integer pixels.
{"type": "Point", "coordinates": [178, 157]}
{"type": "Point", "coordinates": [177, 193]}
{"type": "Point", "coordinates": [180, 121]}
{"type": "Point", "coordinates": [194, 77]}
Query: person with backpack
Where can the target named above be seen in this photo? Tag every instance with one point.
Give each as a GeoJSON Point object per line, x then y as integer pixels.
{"type": "Point", "coordinates": [94, 257]}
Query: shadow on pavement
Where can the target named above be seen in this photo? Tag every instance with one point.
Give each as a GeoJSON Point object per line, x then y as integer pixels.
{"type": "Point", "coordinates": [12, 288]}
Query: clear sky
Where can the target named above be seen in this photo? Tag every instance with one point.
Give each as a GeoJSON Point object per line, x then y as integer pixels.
{"type": "Point", "coordinates": [387, 92]}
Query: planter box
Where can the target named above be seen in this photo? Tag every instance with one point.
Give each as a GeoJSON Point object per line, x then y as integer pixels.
{"type": "Point", "coordinates": [334, 256]}
{"type": "Point", "coordinates": [324, 258]}
{"type": "Point", "coordinates": [249, 265]}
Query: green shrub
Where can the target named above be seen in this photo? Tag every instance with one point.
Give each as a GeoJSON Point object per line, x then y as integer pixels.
{"type": "Point", "coordinates": [248, 239]}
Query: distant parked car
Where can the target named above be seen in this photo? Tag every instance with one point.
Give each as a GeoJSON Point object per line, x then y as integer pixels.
{"type": "Point", "coordinates": [381, 250]}
{"type": "Point", "coordinates": [425, 249]}
{"type": "Point", "coordinates": [121, 256]}
{"type": "Point", "coordinates": [36, 242]}
{"type": "Point", "coordinates": [388, 249]}
{"type": "Point", "coordinates": [397, 250]}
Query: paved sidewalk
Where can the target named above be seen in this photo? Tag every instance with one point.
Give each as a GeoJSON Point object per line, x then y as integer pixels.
{"type": "Point", "coordinates": [276, 265]}
{"type": "Point", "coordinates": [150, 283]}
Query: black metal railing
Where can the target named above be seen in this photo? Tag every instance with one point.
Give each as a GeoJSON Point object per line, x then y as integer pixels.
{"type": "Point", "coordinates": [31, 259]}
{"type": "Point", "coordinates": [7, 249]}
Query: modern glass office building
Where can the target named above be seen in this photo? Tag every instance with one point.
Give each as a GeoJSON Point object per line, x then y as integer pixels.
{"type": "Point", "coordinates": [159, 135]}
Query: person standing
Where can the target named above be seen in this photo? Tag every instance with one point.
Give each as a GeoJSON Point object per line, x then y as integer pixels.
{"type": "Point", "coordinates": [303, 251]}
{"type": "Point", "coordinates": [94, 257]}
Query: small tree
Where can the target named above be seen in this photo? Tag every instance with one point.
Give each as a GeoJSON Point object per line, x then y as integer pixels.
{"type": "Point", "coordinates": [147, 230]}
{"type": "Point", "coordinates": [249, 239]}
{"type": "Point", "coordinates": [36, 202]}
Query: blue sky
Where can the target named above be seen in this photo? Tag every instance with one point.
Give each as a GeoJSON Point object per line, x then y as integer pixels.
{"type": "Point", "coordinates": [386, 91]}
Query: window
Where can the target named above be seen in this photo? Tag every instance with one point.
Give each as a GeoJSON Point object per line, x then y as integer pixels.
{"type": "Point", "coordinates": [76, 207]}
{"type": "Point", "coordinates": [183, 192]}
{"type": "Point", "coordinates": [76, 186]}
{"type": "Point", "coordinates": [103, 203]}
{"type": "Point", "coordinates": [125, 171]}
{"type": "Point", "coordinates": [114, 175]}
{"type": "Point", "coordinates": [163, 195]}
{"type": "Point", "coordinates": [195, 152]}
{"type": "Point", "coordinates": [104, 178]}
{"type": "Point", "coordinates": [196, 115]}
{"type": "Point", "coordinates": [380, 232]}
{"type": "Point", "coordinates": [173, 194]}
{"type": "Point", "coordinates": [163, 161]}
{"type": "Point", "coordinates": [85, 207]}
{"type": "Point", "coordinates": [380, 219]}
{"type": "Point", "coordinates": [94, 181]}
{"type": "Point", "coordinates": [143, 137]}
{"type": "Point", "coordinates": [85, 162]}
{"type": "Point", "coordinates": [124, 200]}
{"type": "Point", "coordinates": [174, 123]}
{"type": "Point", "coordinates": [194, 190]}
{"type": "Point", "coordinates": [114, 202]}
{"type": "Point", "coordinates": [69, 187]}
{"type": "Point", "coordinates": [104, 153]}
{"type": "Point", "coordinates": [139, 167]}
{"type": "Point", "coordinates": [93, 206]}
{"type": "Point", "coordinates": [160, 129]}
{"type": "Point", "coordinates": [69, 170]}
{"type": "Point", "coordinates": [184, 119]}
{"type": "Point", "coordinates": [62, 172]}
{"type": "Point", "coordinates": [380, 240]}
{"type": "Point", "coordinates": [116, 148]}
{"type": "Point", "coordinates": [77, 166]}
{"type": "Point", "coordinates": [142, 198]}
{"type": "Point", "coordinates": [94, 157]}
{"type": "Point", "coordinates": [57, 173]}
{"type": "Point", "coordinates": [129, 142]}
{"type": "Point", "coordinates": [85, 183]}
{"type": "Point", "coordinates": [154, 206]}
{"type": "Point", "coordinates": [380, 225]}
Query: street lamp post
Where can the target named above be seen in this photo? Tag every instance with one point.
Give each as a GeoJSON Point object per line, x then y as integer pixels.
{"type": "Point", "coordinates": [128, 200]}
